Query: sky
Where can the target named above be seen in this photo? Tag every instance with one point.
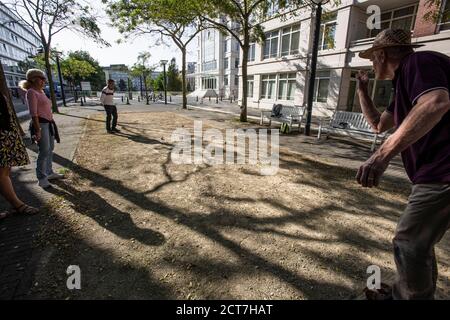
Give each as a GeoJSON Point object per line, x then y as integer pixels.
{"type": "Point", "coordinates": [124, 53]}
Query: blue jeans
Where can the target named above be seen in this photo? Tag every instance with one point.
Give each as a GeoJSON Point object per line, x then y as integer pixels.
{"type": "Point", "coordinates": [45, 155]}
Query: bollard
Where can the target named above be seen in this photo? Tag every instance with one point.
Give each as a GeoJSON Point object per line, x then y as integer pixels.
{"type": "Point", "coordinates": [122, 98]}
{"type": "Point", "coordinates": [197, 98]}
{"type": "Point", "coordinates": [217, 99]}
{"type": "Point", "coordinates": [82, 103]}
{"type": "Point", "coordinates": [170, 98]}
{"type": "Point", "coordinates": [147, 101]}
{"type": "Point", "coordinates": [128, 101]}
{"type": "Point", "coordinates": [139, 98]}
{"type": "Point", "coordinates": [221, 98]}
{"type": "Point", "coordinates": [209, 98]}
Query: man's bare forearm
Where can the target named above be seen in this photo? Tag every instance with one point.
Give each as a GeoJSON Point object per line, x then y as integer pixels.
{"type": "Point", "coordinates": [369, 110]}
{"type": "Point", "coordinates": [418, 123]}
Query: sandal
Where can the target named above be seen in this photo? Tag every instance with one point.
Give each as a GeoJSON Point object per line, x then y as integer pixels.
{"type": "Point", "coordinates": [26, 209]}
{"type": "Point", "coordinates": [384, 293]}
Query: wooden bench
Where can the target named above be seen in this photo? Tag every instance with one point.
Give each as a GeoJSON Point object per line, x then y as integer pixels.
{"type": "Point", "coordinates": [288, 114]}
{"type": "Point", "coordinates": [346, 123]}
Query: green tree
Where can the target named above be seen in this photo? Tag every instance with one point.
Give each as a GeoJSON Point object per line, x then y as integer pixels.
{"type": "Point", "coordinates": [96, 78]}
{"type": "Point", "coordinates": [46, 18]}
{"type": "Point", "coordinates": [177, 20]}
{"type": "Point", "coordinates": [143, 70]}
{"type": "Point", "coordinates": [174, 83]}
{"type": "Point", "coordinates": [75, 70]}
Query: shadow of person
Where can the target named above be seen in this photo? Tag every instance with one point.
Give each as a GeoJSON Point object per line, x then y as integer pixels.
{"type": "Point", "coordinates": [141, 139]}
{"type": "Point", "coordinates": [118, 222]}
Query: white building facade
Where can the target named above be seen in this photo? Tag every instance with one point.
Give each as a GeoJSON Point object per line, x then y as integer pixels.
{"type": "Point", "coordinates": [218, 63]}
{"type": "Point", "coordinates": [278, 68]}
{"type": "Point", "coordinates": [17, 43]}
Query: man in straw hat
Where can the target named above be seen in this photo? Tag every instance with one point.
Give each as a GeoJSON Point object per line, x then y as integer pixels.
{"type": "Point", "coordinates": [420, 114]}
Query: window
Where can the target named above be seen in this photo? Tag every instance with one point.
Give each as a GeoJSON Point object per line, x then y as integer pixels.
{"type": "Point", "coordinates": [236, 80]}
{"type": "Point", "coordinates": [402, 18]}
{"type": "Point", "coordinates": [286, 86]}
{"type": "Point", "coordinates": [236, 63]}
{"type": "Point", "coordinates": [211, 65]}
{"type": "Point", "coordinates": [445, 19]}
{"type": "Point", "coordinates": [225, 63]}
{"type": "Point", "coordinates": [273, 9]}
{"type": "Point", "coordinates": [251, 52]}
{"type": "Point", "coordinates": [321, 86]}
{"type": "Point", "coordinates": [225, 80]}
{"type": "Point", "coordinates": [225, 46]}
{"type": "Point", "coordinates": [290, 40]}
{"type": "Point", "coordinates": [209, 83]}
{"type": "Point", "coordinates": [271, 45]}
{"type": "Point", "coordinates": [268, 84]}
{"type": "Point", "coordinates": [250, 86]}
{"type": "Point", "coordinates": [327, 31]}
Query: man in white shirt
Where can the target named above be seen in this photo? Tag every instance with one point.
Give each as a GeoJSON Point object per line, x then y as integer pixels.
{"type": "Point", "coordinates": [107, 99]}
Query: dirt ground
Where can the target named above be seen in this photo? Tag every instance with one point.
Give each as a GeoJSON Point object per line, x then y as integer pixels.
{"type": "Point", "coordinates": [141, 227]}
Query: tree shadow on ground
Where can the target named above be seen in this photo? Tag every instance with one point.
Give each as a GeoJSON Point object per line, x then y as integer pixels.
{"type": "Point", "coordinates": [206, 228]}
{"type": "Point", "coordinates": [107, 216]}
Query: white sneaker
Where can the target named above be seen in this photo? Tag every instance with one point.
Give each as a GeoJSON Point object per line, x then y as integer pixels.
{"type": "Point", "coordinates": [55, 176]}
{"type": "Point", "coordinates": [43, 183]}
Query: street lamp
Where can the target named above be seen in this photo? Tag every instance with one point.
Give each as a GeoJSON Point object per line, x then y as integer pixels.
{"type": "Point", "coordinates": [312, 74]}
{"type": "Point", "coordinates": [164, 62]}
{"type": "Point", "coordinates": [63, 95]}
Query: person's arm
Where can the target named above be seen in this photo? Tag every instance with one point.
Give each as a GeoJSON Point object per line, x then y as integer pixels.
{"type": "Point", "coordinates": [379, 122]}
{"type": "Point", "coordinates": [37, 127]}
{"type": "Point", "coordinates": [33, 108]}
{"type": "Point", "coordinates": [428, 111]}
{"type": "Point", "coordinates": [102, 97]}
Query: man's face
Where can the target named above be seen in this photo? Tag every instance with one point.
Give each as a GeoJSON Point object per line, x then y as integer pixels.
{"type": "Point", "coordinates": [380, 65]}
{"type": "Point", "coordinates": [111, 85]}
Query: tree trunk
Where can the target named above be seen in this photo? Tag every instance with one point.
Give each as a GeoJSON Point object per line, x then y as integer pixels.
{"type": "Point", "coordinates": [183, 77]}
{"type": "Point", "coordinates": [48, 68]}
{"type": "Point", "coordinates": [245, 49]}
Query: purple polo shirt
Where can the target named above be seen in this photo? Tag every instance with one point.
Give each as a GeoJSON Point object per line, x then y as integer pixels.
{"type": "Point", "coordinates": [428, 159]}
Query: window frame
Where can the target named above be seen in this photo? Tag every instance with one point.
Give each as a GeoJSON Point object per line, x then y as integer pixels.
{"type": "Point", "coordinates": [266, 79]}
{"type": "Point", "coordinates": [291, 79]}
{"type": "Point", "coordinates": [290, 34]}
{"type": "Point", "coordinates": [318, 79]}
{"type": "Point", "coordinates": [269, 40]}
{"type": "Point", "coordinates": [391, 19]}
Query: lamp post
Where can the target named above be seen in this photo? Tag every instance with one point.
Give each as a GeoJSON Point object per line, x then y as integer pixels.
{"type": "Point", "coordinates": [312, 74]}
{"type": "Point", "coordinates": [63, 95]}
{"type": "Point", "coordinates": [164, 62]}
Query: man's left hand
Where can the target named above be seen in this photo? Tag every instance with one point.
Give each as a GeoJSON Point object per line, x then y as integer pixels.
{"type": "Point", "coordinates": [370, 172]}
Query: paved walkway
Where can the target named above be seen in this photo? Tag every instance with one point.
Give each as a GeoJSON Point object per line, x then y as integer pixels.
{"type": "Point", "coordinates": [18, 260]}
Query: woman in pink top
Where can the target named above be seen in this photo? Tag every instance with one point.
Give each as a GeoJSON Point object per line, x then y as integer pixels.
{"type": "Point", "coordinates": [43, 126]}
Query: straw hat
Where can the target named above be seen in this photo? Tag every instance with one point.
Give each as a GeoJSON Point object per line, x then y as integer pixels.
{"type": "Point", "coordinates": [33, 73]}
{"type": "Point", "coordinates": [389, 38]}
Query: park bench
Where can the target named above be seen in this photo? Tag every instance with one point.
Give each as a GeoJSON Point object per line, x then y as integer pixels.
{"type": "Point", "coordinates": [288, 114]}
{"type": "Point", "coordinates": [350, 123]}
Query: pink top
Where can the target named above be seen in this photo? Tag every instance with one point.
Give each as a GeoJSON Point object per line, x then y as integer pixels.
{"type": "Point", "coordinates": [39, 105]}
